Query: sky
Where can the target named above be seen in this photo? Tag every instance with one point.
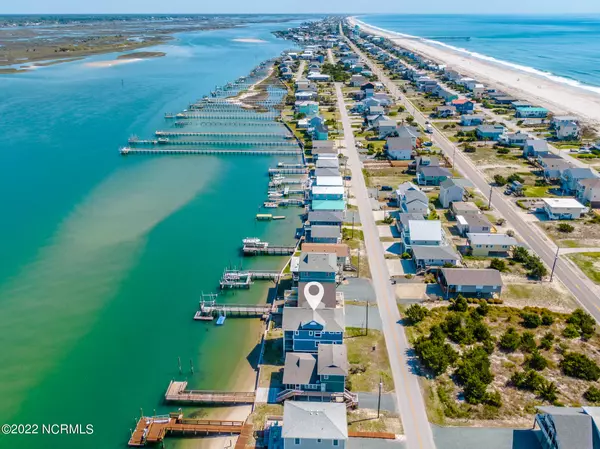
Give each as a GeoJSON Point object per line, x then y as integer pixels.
{"type": "Point", "coordinates": [300, 6]}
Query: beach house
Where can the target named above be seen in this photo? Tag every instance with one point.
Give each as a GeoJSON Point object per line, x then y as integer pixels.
{"type": "Point", "coordinates": [386, 128]}
{"type": "Point", "coordinates": [450, 191]}
{"type": "Point", "coordinates": [464, 208]}
{"type": "Point", "coordinates": [563, 208]}
{"type": "Point", "coordinates": [325, 372]}
{"type": "Point", "coordinates": [399, 148]}
{"type": "Point", "coordinates": [479, 282]}
{"type": "Point", "coordinates": [308, 108]}
{"type": "Point", "coordinates": [445, 111]}
{"type": "Point", "coordinates": [571, 177]}
{"type": "Point", "coordinates": [411, 199]}
{"type": "Point", "coordinates": [328, 193]}
{"type": "Point", "coordinates": [323, 147]}
{"type": "Point", "coordinates": [476, 224]}
{"type": "Point", "coordinates": [424, 233]}
{"type": "Point", "coordinates": [427, 256]}
{"type": "Point", "coordinates": [530, 112]}
{"type": "Point", "coordinates": [305, 329]}
{"type": "Point", "coordinates": [568, 131]}
{"type": "Point", "coordinates": [311, 425]}
{"type": "Point", "coordinates": [432, 176]}
{"type": "Point", "coordinates": [535, 147]}
{"type": "Point", "coordinates": [326, 218]}
{"type": "Point", "coordinates": [367, 89]}
{"type": "Point", "coordinates": [463, 105]}
{"type": "Point", "coordinates": [517, 139]}
{"type": "Point", "coordinates": [320, 132]}
{"type": "Point", "coordinates": [444, 93]}
{"type": "Point", "coordinates": [471, 120]}
{"type": "Point", "coordinates": [552, 165]}
{"type": "Point", "coordinates": [487, 244]}
{"type": "Point", "coordinates": [489, 132]}
{"type": "Point", "coordinates": [588, 192]}
{"type": "Point", "coordinates": [323, 234]}
{"type": "Point", "coordinates": [341, 250]}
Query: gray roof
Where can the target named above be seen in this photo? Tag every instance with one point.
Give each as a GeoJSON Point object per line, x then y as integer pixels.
{"type": "Point", "coordinates": [580, 173]}
{"type": "Point", "coordinates": [573, 427]}
{"type": "Point", "coordinates": [434, 171]}
{"type": "Point", "coordinates": [537, 144]}
{"type": "Point", "coordinates": [327, 172]}
{"type": "Point", "coordinates": [314, 420]}
{"type": "Point", "coordinates": [319, 144]}
{"type": "Point", "coordinates": [477, 220]}
{"type": "Point", "coordinates": [319, 262]}
{"type": "Point", "coordinates": [408, 131]}
{"type": "Point", "coordinates": [299, 368]}
{"type": "Point", "coordinates": [324, 231]}
{"type": "Point", "coordinates": [412, 195]}
{"type": "Point", "coordinates": [327, 163]}
{"type": "Point", "coordinates": [593, 183]}
{"type": "Point", "coordinates": [490, 128]}
{"type": "Point", "coordinates": [422, 252]}
{"type": "Point", "coordinates": [491, 239]}
{"type": "Point", "coordinates": [459, 206]}
{"type": "Point", "coordinates": [329, 216]}
{"type": "Point", "coordinates": [404, 218]}
{"type": "Point", "coordinates": [332, 360]}
{"type": "Point", "coordinates": [399, 143]}
{"type": "Point", "coordinates": [332, 320]}
{"type": "Point", "coordinates": [472, 276]}
{"type": "Point", "coordinates": [450, 183]}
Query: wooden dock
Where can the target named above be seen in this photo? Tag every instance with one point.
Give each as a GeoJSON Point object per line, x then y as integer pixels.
{"type": "Point", "coordinates": [154, 429]}
{"type": "Point", "coordinates": [243, 279]}
{"type": "Point", "coordinates": [212, 309]}
{"type": "Point", "coordinates": [180, 151]}
{"type": "Point", "coordinates": [177, 393]}
{"type": "Point", "coordinates": [216, 134]}
{"type": "Point", "coordinates": [287, 171]}
{"type": "Point", "coordinates": [269, 250]}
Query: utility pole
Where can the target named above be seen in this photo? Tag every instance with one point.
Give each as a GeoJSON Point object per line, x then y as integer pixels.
{"type": "Point", "coordinates": [453, 156]}
{"type": "Point", "coordinates": [379, 398]}
{"type": "Point", "coordinates": [358, 267]}
{"type": "Point", "coordinates": [490, 201]}
{"type": "Point", "coordinates": [366, 318]}
{"type": "Point", "coordinates": [554, 264]}
{"type": "Point", "coordinates": [353, 215]}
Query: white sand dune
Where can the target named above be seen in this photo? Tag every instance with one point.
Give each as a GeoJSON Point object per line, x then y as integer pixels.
{"type": "Point", "coordinates": [100, 64]}
{"type": "Point", "coordinates": [249, 40]}
{"type": "Point", "coordinates": [546, 91]}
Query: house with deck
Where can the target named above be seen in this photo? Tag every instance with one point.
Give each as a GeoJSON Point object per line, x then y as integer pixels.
{"type": "Point", "coordinates": [571, 177]}
{"type": "Point", "coordinates": [531, 112]}
{"type": "Point", "coordinates": [478, 282]}
{"type": "Point", "coordinates": [411, 199]}
{"type": "Point", "coordinates": [323, 234]}
{"type": "Point", "coordinates": [476, 224]}
{"type": "Point", "coordinates": [563, 208]}
{"type": "Point", "coordinates": [386, 128]}
{"type": "Point", "coordinates": [517, 139]}
{"type": "Point", "coordinates": [588, 192]}
{"type": "Point", "coordinates": [341, 251]}
{"type": "Point", "coordinates": [471, 120]}
{"type": "Point", "coordinates": [463, 105]}
{"type": "Point", "coordinates": [325, 218]}
{"type": "Point", "coordinates": [325, 372]}
{"type": "Point", "coordinates": [464, 208]}
{"type": "Point", "coordinates": [308, 108]}
{"type": "Point", "coordinates": [305, 329]}
{"type": "Point", "coordinates": [399, 148]}
{"type": "Point", "coordinates": [423, 233]}
{"type": "Point", "coordinates": [450, 191]}
{"type": "Point", "coordinates": [535, 148]}
{"type": "Point", "coordinates": [432, 176]}
{"type": "Point", "coordinates": [490, 245]}
{"type": "Point", "coordinates": [489, 132]}
{"type": "Point", "coordinates": [445, 111]}
{"type": "Point", "coordinates": [311, 425]}
{"type": "Point", "coordinates": [426, 257]}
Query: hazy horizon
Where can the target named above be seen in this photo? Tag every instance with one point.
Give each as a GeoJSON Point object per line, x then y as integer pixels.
{"type": "Point", "coordinates": [317, 7]}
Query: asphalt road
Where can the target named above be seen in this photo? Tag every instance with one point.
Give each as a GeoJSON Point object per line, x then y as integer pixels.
{"type": "Point", "coordinates": [408, 392]}
{"type": "Point", "coordinates": [586, 292]}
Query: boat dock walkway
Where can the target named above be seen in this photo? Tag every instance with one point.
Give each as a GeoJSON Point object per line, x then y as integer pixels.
{"type": "Point", "coordinates": [250, 250]}
{"type": "Point", "coordinates": [287, 171]}
{"type": "Point", "coordinates": [128, 150]}
{"type": "Point", "coordinates": [154, 429]}
{"type": "Point", "coordinates": [243, 279]}
{"type": "Point", "coordinates": [210, 309]}
{"type": "Point", "coordinates": [217, 134]}
{"type": "Point", "coordinates": [176, 392]}
{"type": "Point", "coordinates": [256, 117]}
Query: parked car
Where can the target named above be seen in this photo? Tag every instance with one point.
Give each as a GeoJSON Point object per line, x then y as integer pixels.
{"type": "Point", "coordinates": [387, 188]}
{"type": "Point", "coordinates": [428, 143]}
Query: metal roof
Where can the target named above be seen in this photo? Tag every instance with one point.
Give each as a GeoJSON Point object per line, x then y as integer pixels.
{"type": "Point", "coordinates": [314, 420]}
{"type": "Point", "coordinates": [332, 216]}
{"type": "Point", "coordinates": [472, 276]}
{"type": "Point", "coordinates": [299, 368]}
{"type": "Point", "coordinates": [332, 360]}
{"type": "Point", "coordinates": [325, 231]}
{"type": "Point", "coordinates": [425, 230]}
{"type": "Point", "coordinates": [319, 262]}
{"type": "Point", "coordinates": [491, 239]}
{"type": "Point", "coordinates": [331, 320]}
{"type": "Point", "coordinates": [422, 252]}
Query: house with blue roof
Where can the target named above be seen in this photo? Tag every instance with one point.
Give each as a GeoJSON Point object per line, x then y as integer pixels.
{"type": "Point", "coordinates": [489, 132]}
{"type": "Point", "coordinates": [531, 112]}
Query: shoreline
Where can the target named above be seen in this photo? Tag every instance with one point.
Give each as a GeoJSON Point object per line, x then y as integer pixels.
{"type": "Point", "coordinates": [558, 97]}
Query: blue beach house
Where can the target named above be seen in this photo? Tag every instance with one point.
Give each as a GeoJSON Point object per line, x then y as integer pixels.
{"type": "Point", "coordinates": [304, 329]}
{"type": "Point", "coordinates": [531, 112]}
{"type": "Point", "coordinates": [320, 132]}
{"type": "Point", "coordinates": [327, 371]}
{"type": "Point", "coordinates": [489, 132]}
{"type": "Point", "coordinates": [318, 267]}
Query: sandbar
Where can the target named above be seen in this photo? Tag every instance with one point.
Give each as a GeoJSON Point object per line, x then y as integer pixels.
{"type": "Point", "coordinates": [249, 40]}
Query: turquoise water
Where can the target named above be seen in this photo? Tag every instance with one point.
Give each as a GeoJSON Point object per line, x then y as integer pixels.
{"type": "Point", "coordinates": [104, 257]}
{"type": "Point", "coordinates": [566, 46]}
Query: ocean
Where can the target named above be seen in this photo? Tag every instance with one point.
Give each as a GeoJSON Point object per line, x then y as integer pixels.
{"type": "Point", "coordinates": [564, 48]}
{"type": "Point", "coordinates": [104, 257]}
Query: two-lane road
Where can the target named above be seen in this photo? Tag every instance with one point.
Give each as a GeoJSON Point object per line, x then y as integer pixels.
{"type": "Point", "coordinates": [408, 392]}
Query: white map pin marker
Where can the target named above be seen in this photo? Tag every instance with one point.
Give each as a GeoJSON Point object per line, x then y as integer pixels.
{"type": "Point", "coordinates": [314, 300]}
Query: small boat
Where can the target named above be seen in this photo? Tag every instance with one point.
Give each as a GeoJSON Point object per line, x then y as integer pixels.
{"type": "Point", "coordinates": [270, 205]}
{"type": "Point", "coordinates": [275, 195]}
{"type": "Point", "coordinates": [278, 217]}
{"type": "Point", "coordinates": [220, 320]}
{"type": "Point", "coordinates": [251, 241]}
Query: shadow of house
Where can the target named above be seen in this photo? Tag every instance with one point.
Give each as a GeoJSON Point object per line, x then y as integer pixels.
{"type": "Point", "coordinates": [494, 438]}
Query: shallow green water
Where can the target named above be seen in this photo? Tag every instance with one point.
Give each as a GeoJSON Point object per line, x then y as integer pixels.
{"type": "Point", "coordinates": [103, 258]}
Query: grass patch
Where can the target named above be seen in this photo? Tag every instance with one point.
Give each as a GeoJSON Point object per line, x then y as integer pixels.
{"type": "Point", "coordinates": [261, 412]}
{"type": "Point", "coordinates": [537, 191]}
{"type": "Point", "coordinates": [368, 359]}
{"type": "Point", "coordinates": [589, 263]}
{"type": "Point", "coordinates": [271, 371]}
{"type": "Point", "coordinates": [365, 420]}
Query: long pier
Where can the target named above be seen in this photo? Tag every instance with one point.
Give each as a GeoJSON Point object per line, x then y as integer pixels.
{"type": "Point", "coordinates": [177, 393]}
{"type": "Point", "coordinates": [210, 309]}
{"type": "Point", "coordinates": [233, 143]}
{"type": "Point", "coordinates": [243, 279]}
{"type": "Point", "coordinates": [257, 117]}
{"type": "Point", "coordinates": [287, 171]}
{"type": "Point", "coordinates": [269, 250]}
{"type": "Point", "coordinates": [128, 150]}
{"type": "Point", "coordinates": [154, 429]}
{"type": "Point", "coordinates": [217, 134]}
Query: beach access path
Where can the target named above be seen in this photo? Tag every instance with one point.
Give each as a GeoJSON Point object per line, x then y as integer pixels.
{"type": "Point", "coordinates": [584, 290]}
{"type": "Point", "coordinates": [300, 71]}
{"type": "Point", "coordinates": [559, 97]}
{"type": "Point", "coordinates": [406, 383]}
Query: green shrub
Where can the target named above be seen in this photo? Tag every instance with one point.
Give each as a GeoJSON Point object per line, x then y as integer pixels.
{"type": "Point", "coordinates": [527, 342]}
{"type": "Point", "coordinates": [528, 380]}
{"type": "Point", "coordinates": [483, 308]}
{"type": "Point", "coordinates": [546, 341]}
{"type": "Point", "coordinates": [515, 177]}
{"type": "Point", "coordinates": [406, 255]}
{"type": "Point", "coordinates": [510, 340]}
{"type": "Point", "coordinates": [500, 180]}
{"type": "Point", "coordinates": [459, 304]}
{"type": "Point", "coordinates": [537, 361]}
{"type": "Point", "coordinates": [584, 322]}
{"type": "Point", "coordinates": [434, 353]}
{"type": "Point", "coordinates": [547, 318]}
{"type": "Point", "coordinates": [570, 331]}
{"type": "Point", "coordinates": [498, 264]}
{"type": "Point", "coordinates": [565, 227]}
{"type": "Point", "coordinates": [531, 320]}
{"type": "Point", "coordinates": [416, 313]}
{"type": "Point", "coordinates": [579, 366]}
{"type": "Point", "coordinates": [520, 254]}
{"type": "Point", "coordinates": [547, 391]}
{"type": "Point", "coordinates": [503, 150]}
{"type": "Point", "coordinates": [493, 399]}
{"type": "Point", "coordinates": [592, 394]}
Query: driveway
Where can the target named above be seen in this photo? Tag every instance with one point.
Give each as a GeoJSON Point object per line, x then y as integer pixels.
{"type": "Point", "coordinates": [400, 267]}
{"type": "Point", "coordinates": [360, 289]}
{"type": "Point", "coordinates": [356, 316]}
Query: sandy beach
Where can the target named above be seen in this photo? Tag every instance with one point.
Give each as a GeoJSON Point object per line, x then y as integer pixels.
{"type": "Point", "coordinates": [249, 40]}
{"type": "Point", "coordinates": [556, 96]}
{"type": "Point", "coordinates": [111, 63]}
